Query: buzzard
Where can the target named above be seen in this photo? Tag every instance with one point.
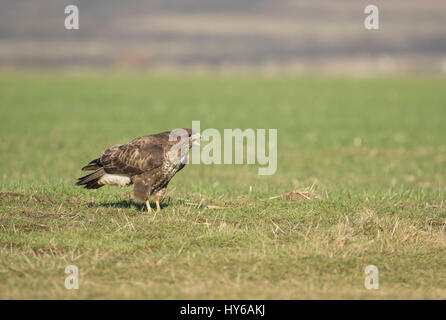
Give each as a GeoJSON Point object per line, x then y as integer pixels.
{"type": "Point", "coordinates": [147, 162]}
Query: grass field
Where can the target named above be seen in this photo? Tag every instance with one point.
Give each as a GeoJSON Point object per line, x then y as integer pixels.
{"type": "Point", "coordinates": [371, 153]}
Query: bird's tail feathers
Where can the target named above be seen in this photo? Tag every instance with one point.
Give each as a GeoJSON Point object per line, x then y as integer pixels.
{"type": "Point", "coordinates": [93, 165]}
{"type": "Point", "coordinates": [90, 181]}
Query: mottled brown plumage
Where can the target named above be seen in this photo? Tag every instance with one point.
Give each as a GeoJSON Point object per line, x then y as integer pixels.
{"type": "Point", "coordinates": [148, 162]}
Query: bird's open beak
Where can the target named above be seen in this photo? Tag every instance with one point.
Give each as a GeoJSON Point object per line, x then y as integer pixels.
{"type": "Point", "coordinates": [196, 139]}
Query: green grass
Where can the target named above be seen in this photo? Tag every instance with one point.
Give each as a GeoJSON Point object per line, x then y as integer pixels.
{"type": "Point", "coordinates": [374, 151]}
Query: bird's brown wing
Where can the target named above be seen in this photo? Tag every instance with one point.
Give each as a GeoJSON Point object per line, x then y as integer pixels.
{"type": "Point", "coordinates": [138, 156]}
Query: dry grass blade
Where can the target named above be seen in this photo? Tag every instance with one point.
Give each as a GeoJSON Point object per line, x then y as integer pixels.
{"type": "Point", "coordinates": [23, 196]}
{"type": "Point", "coordinates": [435, 206]}
{"type": "Point", "coordinates": [170, 192]}
{"type": "Point", "coordinates": [296, 195]}
{"type": "Point", "coordinates": [217, 207]}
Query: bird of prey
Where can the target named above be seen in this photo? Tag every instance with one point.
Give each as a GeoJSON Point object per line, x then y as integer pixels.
{"type": "Point", "coordinates": [147, 162]}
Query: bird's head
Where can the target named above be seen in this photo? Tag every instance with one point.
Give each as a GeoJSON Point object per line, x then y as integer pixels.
{"type": "Point", "coordinates": [194, 137]}
{"type": "Point", "coordinates": [185, 135]}
{"type": "Point", "coordinates": [181, 140]}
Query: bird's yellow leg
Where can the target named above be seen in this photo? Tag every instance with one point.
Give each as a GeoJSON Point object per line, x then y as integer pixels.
{"type": "Point", "coordinates": [149, 209]}
{"type": "Point", "coordinates": [159, 197]}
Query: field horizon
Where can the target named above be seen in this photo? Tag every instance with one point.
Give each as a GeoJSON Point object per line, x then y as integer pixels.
{"type": "Point", "coordinates": [360, 181]}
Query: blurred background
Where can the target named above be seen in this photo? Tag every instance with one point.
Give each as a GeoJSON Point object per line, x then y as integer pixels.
{"type": "Point", "coordinates": [265, 35]}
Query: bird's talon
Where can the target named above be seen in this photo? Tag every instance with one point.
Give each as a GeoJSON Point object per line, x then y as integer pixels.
{"type": "Point", "coordinates": [149, 209]}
